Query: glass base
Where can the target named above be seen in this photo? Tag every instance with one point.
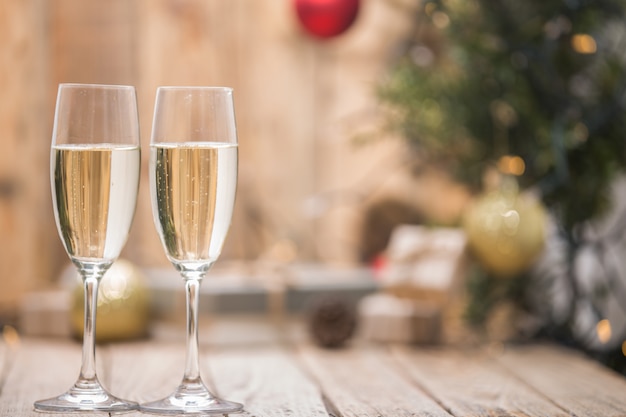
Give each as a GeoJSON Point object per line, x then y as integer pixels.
{"type": "Point", "coordinates": [186, 400]}
{"type": "Point", "coordinates": [94, 398]}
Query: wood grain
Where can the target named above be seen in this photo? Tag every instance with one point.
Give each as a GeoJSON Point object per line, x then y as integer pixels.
{"type": "Point", "coordinates": [267, 380]}
{"type": "Point", "coordinates": [27, 247]}
{"type": "Point", "coordinates": [140, 372]}
{"type": "Point", "coordinates": [365, 381]}
{"type": "Point", "coordinates": [575, 383]}
{"type": "Point", "coordinates": [37, 370]}
{"type": "Point", "coordinates": [360, 383]}
{"type": "Point", "coordinates": [472, 384]}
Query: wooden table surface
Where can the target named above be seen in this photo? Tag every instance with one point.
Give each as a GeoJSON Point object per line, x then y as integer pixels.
{"type": "Point", "coordinates": [302, 380]}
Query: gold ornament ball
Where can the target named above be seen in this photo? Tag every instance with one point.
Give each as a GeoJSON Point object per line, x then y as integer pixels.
{"type": "Point", "coordinates": [123, 305]}
{"type": "Point", "coordinates": [505, 230]}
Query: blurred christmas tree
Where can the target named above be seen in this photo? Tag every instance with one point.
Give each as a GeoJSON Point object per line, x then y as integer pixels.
{"type": "Point", "coordinates": [541, 83]}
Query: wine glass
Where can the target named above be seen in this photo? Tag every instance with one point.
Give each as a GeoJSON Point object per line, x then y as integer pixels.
{"type": "Point", "coordinates": [94, 169]}
{"type": "Point", "coordinates": [193, 179]}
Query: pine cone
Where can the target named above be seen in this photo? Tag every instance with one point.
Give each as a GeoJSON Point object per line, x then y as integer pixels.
{"type": "Point", "coordinates": [332, 322]}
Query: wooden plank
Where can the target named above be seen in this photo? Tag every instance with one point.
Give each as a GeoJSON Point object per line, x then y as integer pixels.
{"type": "Point", "coordinates": [38, 369]}
{"type": "Point", "coordinates": [577, 384]}
{"type": "Point", "coordinates": [361, 383]}
{"type": "Point", "coordinates": [147, 370]}
{"type": "Point", "coordinates": [141, 371]}
{"type": "Point", "coordinates": [472, 383]}
{"type": "Point", "coordinates": [266, 380]}
{"type": "Point", "coordinates": [92, 41]}
{"type": "Point", "coordinates": [26, 221]}
{"type": "Point", "coordinates": [271, 381]}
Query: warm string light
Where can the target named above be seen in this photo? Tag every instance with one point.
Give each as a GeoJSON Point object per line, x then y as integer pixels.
{"type": "Point", "coordinates": [440, 19]}
{"type": "Point", "coordinates": [603, 330]}
{"type": "Point", "coordinates": [511, 165]}
{"type": "Point", "coordinates": [584, 44]}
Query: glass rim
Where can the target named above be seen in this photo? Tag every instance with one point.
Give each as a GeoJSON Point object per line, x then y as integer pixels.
{"type": "Point", "coordinates": [95, 85]}
{"type": "Point", "coordinates": [195, 87]}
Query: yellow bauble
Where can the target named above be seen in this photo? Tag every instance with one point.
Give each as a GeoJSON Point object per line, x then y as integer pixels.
{"type": "Point", "coordinates": [123, 304]}
{"type": "Point", "coordinates": [505, 229]}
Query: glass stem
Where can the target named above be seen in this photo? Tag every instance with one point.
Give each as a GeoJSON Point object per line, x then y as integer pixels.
{"type": "Point", "coordinates": [192, 363]}
{"type": "Point", "coordinates": [88, 378]}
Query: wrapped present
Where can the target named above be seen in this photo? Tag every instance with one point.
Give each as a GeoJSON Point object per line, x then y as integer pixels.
{"type": "Point", "coordinates": [424, 263]}
{"type": "Point", "coordinates": [421, 287]}
{"type": "Point", "coordinates": [388, 318]}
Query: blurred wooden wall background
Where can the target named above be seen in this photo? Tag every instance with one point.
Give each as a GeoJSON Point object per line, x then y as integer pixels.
{"type": "Point", "coordinates": [300, 103]}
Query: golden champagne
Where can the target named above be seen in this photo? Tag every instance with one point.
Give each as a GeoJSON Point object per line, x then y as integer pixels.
{"type": "Point", "coordinates": [193, 192]}
{"type": "Point", "coordinates": [94, 197]}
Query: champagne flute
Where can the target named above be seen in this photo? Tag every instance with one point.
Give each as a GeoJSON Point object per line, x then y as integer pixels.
{"type": "Point", "coordinates": [193, 179]}
{"type": "Point", "coordinates": [95, 159]}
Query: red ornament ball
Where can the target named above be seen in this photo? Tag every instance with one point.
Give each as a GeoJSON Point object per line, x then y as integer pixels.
{"type": "Point", "coordinates": [326, 18]}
